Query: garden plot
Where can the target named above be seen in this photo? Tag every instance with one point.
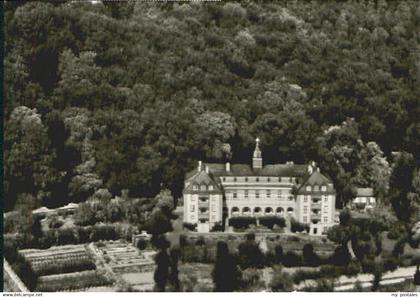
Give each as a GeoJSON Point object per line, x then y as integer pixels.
{"type": "Point", "coordinates": [124, 258]}
{"type": "Point", "coordinates": [64, 268]}
{"type": "Point", "coordinates": [134, 267]}
{"type": "Point", "coordinates": [60, 259]}
{"type": "Point", "coordinates": [71, 281]}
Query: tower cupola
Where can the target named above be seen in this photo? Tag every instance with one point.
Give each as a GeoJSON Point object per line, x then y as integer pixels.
{"type": "Point", "coordinates": [256, 158]}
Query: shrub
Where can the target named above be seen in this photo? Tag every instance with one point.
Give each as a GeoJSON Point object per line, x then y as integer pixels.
{"type": "Point", "coordinates": [278, 254]}
{"type": "Point", "coordinates": [353, 268]}
{"type": "Point", "coordinates": [309, 255]}
{"type": "Point", "coordinates": [270, 221]}
{"type": "Point", "coordinates": [368, 266]}
{"type": "Point", "coordinates": [417, 277]}
{"type": "Point", "coordinates": [141, 244]}
{"type": "Point", "coordinates": [377, 276]}
{"type": "Point", "coordinates": [249, 253]}
{"type": "Point", "coordinates": [242, 222]}
{"type": "Point", "coordinates": [390, 264]}
{"type": "Point", "coordinates": [324, 285]}
{"type": "Point", "coordinates": [200, 241]}
{"type": "Point", "coordinates": [55, 222]}
{"type": "Point", "coordinates": [331, 271]}
{"type": "Point", "coordinates": [190, 226]}
{"type": "Point", "coordinates": [217, 227]}
{"type": "Point", "coordinates": [281, 281]}
{"type": "Point", "coordinates": [291, 259]}
{"type": "Point", "coordinates": [296, 226]}
{"type": "Point", "coordinates": [357, 286]}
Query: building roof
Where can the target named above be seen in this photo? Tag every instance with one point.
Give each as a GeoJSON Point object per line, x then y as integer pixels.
{"type": "Point", "coordinates": [282, 170]}
{"type": "Point", "coordinates": [364, 192]}
{"type": "Point", "coordinates": [316, 178]}
{"type": "Point", "coordinates": [200, 178]}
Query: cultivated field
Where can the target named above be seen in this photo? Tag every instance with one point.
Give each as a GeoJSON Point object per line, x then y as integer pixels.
{"type": "Point", "coordinates": [129, 264]}
{"type": "Point", "coordinates": [64, 268]}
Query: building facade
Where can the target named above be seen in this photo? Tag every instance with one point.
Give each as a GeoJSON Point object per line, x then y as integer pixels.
{"type": "Point", "coordinates": [364, 200]}
{"type": "Point", "coordinates": [216, 191]}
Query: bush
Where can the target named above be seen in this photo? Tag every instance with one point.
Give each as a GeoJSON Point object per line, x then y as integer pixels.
{"type": "Point", "coordinates": [270, 221]}
{"type": "Point", "coordinates": [417, 277]}
{"type": "Point", "coordinates": [190, 226]}
{"type": "Point", "coordinates": [242, 222]}
{"type": "Point", "coordinates": [390, 264]}
{"type": "Point", "coordinates": [309, 255]}
{"type": "Point", "coordinates": [324, 285]}
{"type": "Point", "coordinates": [296, 226]}
{"type": "Point", "coordinates": [353, 268]}
{"type": "Point", "coordinates": [281, 281]}
{"type": "Point", "coordinates": [278, 254]}
{"type": "Point", "coordinates": [218, 227]}
{"type": "Point", "coordinates": [292, 259]}
{"type": "Point", "coordinates": [141, 244]}
{"type": "Point", "coordinates": [331, 271]}
{"type": "Point", "coordinates": [368, 266]}
{"type": "Point", "coordinates": [55, 222]}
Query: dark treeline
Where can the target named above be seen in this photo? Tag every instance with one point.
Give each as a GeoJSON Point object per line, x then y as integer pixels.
{"type": "Point", "coordinates": [128, 95]}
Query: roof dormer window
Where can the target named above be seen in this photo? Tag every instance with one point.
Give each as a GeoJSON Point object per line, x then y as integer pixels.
{"type": "Point", "coordinates": [316, 188]}
{"type": "Point", "coordinates": [210, 187]}
{"type": "Point", "coordinates": [203, 187]}
{"type": "Point", "coordinates": [195, 187]}
{"type": "Point", "coordinates": [308, 188]}
{"type": "Point", "coordinates": [324, 188]}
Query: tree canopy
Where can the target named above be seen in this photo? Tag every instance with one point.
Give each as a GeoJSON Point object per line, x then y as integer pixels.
{"type": "Point", "coordinates": [129, 95]}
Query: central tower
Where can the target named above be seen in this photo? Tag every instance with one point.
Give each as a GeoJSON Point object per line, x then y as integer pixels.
{"type": "Point", "coordinates": [256, 158]}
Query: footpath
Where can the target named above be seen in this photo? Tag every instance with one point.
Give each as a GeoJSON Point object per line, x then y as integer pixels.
{"type": "Point", "coordinates": [345, 283]}
{"type": "Point", "coordinates": [12, 283]}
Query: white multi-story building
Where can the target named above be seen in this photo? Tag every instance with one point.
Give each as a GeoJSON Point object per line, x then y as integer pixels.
{"type": "Point", "coordinates": [214, 191]}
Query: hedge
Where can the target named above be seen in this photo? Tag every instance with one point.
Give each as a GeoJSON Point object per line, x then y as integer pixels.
{"type": "Point", "coordinates": [270, 221]}
{"type": "Point", "coordinates": [296, 226]}
{"type": "Point", "coordinates": [190, 226]}
{"type": "Point", "coordinates": [242, 222]}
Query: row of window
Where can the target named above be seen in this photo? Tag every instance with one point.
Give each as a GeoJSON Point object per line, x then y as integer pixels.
{"type": "Point", "coordinates": [305, 209]}
{"type": "Point", "coordinates": [316, 188]}
{"type": "Point", "coordinates": [192, 209]}
{"type": "Point", "coordinates": [268, 194]}
{"type": "Point", "coordinates": [305, 219]}
{"type": "Point", "coordinates": [213, 218]}
{"type": "Point", "coordinates": [306, 198]}
{"type": "Point", "coordinates": [203, 187]}
{"type": "Point", "coordinates": [259, 179]}
{"type": "Point", "coordinates": [204, 198]}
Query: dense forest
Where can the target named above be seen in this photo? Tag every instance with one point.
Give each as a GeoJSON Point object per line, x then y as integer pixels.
{"type": "Point", "coordinates": [129, 95]}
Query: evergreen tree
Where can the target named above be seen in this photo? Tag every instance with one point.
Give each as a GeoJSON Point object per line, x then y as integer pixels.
{"type": "Point", "coordinates": [226, 275]}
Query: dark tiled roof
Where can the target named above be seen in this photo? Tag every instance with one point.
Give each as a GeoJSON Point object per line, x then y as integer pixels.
{"type": "Point", "coordinates": [283, 170]}
{"type": "Point", "coordinates": [316, 178]}
{"type": "Point", "coordinates": [200, 178]}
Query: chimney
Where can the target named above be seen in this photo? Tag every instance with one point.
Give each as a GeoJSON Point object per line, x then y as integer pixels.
{"type": "Point", "coordinates": [207, 169]}
{"type": "Point", "coordinates": [310, 169]}
{"type": "Point", "coordinates": [199, 166]}
{"type": "Point", "coordinates": [227, 167]}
